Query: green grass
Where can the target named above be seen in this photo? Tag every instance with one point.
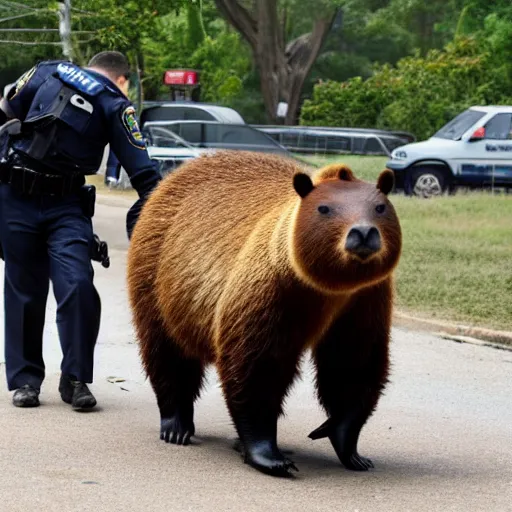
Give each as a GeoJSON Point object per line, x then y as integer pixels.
{"type": "Point", "coordinates": [364, 167]}
{"type": "Point", "coordinates": [457, 258]}
{"type": "Point", "coordinates": [457, 252]}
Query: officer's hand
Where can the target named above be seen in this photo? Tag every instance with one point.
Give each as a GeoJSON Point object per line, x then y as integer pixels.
{"type": "Point", "coordinates": [133, 216]}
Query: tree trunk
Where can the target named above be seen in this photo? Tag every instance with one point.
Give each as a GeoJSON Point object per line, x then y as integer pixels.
{"type": "Point", "coordinates": [302, 54]}
{"type": "Point", "coordinates": [270, 57]}
{"type": "Point", "coordinates": [283, 70]}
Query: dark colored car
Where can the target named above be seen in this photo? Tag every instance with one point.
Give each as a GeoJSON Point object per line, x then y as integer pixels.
{"type": "Point", "coordinates": [324, 140]}
{"type": "Point", "coordinates": [216, 135]}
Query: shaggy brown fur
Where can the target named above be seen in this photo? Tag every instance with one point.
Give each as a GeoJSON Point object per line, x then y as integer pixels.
{"type": "Point", "coordinates": [240, 260]}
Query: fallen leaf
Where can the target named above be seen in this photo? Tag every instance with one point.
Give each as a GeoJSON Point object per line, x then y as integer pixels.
{"type": "Point", "coordinates": [113, 380]}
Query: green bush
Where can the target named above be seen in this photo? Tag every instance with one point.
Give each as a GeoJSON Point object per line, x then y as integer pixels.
{"type": "Point", "coordinates": [419, 95]}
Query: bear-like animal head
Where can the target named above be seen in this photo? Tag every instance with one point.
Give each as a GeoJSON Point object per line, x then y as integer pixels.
{"type": "Point", "coordinates": [346, 233]}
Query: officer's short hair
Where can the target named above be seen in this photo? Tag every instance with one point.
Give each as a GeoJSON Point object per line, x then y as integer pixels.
{"type": "Point", "coordinates": [114, 63]}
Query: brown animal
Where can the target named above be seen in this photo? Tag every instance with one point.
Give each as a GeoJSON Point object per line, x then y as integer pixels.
{"type": "Point", "coordinates": [242, 260]}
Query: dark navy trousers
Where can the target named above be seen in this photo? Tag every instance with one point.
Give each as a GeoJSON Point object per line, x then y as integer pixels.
{"type": "Point", "coordinates": [43, 238]}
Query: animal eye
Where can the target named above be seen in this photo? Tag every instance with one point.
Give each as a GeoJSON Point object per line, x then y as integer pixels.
{"type": "Point", "coordinates": [380, 208]}
{"type": "Point", "coordinates": [323, 209]}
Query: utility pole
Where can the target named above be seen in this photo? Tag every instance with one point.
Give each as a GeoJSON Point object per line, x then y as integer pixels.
{"type": "Point", "coordinates": [65, 28]}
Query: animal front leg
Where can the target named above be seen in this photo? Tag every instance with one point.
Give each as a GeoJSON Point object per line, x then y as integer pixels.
{"type": "Point", "coordinates": [352, 367]}
{"type": "Point", "coordinates": [344, 436]}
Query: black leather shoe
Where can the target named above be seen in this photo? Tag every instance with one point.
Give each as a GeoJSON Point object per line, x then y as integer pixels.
{"type": "Point", "coordinates": [26, 396]}
{"type": "Point", "coordinates": [76, 393]}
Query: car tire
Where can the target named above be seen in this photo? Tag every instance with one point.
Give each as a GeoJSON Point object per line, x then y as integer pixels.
{"type": "Point", "coordinates": [427, 182]}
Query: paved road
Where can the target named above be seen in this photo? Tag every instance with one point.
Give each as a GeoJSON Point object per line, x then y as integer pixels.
{"type": "Point", "coordinates": [441, 439]}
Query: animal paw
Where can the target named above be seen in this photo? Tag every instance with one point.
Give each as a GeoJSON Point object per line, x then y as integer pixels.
{"type": "Point", "coordinates": [264, 457]}
{"type": "Point", "coordinates": [176, 429]}
{"type": "Point", "coordinates": [357, 462]}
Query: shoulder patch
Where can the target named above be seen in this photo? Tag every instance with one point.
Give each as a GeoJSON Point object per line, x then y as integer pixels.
{"type": "Point", "coordinates": [22, 81]}
{"type": "Point", "coordinates": [79, 79]}
{"type": "Point", "coordinates": [132, 128]}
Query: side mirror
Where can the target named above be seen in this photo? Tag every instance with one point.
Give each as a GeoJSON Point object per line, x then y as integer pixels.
{"type": "Point", "coordinates": [478, 134]}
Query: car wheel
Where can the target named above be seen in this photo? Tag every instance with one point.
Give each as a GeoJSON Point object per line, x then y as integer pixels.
{"type": "Point", "coordinates": [427, 182]}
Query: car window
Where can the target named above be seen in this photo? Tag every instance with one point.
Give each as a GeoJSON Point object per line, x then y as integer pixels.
{"type": "Point", "coordinates": [499, 127]}
{"type": "Point", "coordinates": [175, 113]}
{"type": "Point", "coordinates": [191, 132]}
{"type": "Point", "coordinates": [233, 134]}
{"type": "Point", "coordinates": [459, 125]}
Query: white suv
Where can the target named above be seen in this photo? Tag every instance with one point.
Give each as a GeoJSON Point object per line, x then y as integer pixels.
{"type": "Point", "coordinates": [473, 150]}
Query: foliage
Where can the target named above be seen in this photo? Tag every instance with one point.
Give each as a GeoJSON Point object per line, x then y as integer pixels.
{"type": "Point", "coordinates": [222, 58]}
{"type": "Point", "coordinates": [15, 58]}
{"type": "Point", "coordinates": [419, 95]}
{"type": "Point", "coordinates": [380, 50]}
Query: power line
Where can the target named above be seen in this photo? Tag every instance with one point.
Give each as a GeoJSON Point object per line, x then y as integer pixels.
{"type": "Point", "coordinates": [37, 43]}
{"type": "Point", "coordinates": [42, 30]}
{"type": "Point", "coordinates": [24, 15]}
{"type": "Point", "coordinates": [28, 43]}
{"type": "Point", "coordinates": [17, 4]}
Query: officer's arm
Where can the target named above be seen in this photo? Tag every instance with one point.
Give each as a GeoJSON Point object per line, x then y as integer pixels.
{"type": "Point", "coordinates": [127, 143]}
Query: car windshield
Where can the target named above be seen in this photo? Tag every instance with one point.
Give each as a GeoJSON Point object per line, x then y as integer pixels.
{"type": "Point", "coordinates": [459, 125]}
{"type": "Point", "coordinates": [162, 137]}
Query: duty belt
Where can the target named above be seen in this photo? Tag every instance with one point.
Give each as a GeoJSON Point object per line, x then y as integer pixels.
{"type": "Point", "coordinates": [28, 181]}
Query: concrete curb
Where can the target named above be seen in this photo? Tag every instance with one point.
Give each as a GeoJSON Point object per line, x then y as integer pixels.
{"type": "Point", "coordinates": [456, 331]}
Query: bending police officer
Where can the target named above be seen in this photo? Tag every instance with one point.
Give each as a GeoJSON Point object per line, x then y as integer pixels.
{"type": "Point", "coordinates": [68, 115]}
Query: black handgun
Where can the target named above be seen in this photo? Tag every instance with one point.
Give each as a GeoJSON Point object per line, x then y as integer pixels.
{"type": "Point", "coordinates": [100, 248]}
{"type": "Point", "coordinates": [100, 252]}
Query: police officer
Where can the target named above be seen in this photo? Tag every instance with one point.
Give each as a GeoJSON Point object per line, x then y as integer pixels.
{"type": "Point", "coordinates": [68, 115]}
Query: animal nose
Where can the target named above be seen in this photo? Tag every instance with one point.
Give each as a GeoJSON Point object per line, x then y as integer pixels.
{"type": "Point", "coordinates": [363, 241]}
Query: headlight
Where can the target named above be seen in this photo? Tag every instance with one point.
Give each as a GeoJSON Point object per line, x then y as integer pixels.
{"type": "Point", "coordinates": [399, 155]}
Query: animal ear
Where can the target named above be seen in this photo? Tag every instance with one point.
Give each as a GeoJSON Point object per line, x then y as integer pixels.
{"type": "Point", "coordinates": [302, 184]}
{"type": "Point", "coordinates": [333, 172]}
{"type": "Point", "coordinates": [345, 174]}
{"type": "Point", "coordinates": [386, 181]}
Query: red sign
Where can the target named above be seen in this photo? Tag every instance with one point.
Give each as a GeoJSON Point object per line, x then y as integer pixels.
{"type": "Point", "coordinates": [179, 77]}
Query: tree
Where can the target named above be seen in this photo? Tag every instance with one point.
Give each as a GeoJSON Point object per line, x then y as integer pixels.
{"type": "Point", "coordinates": [283, 66]}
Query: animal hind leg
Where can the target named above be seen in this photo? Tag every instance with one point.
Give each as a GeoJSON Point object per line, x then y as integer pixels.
{"type": "Point", "coordinates": [352, 368]}
{"type": "Point", "coordinates": [176, 381]}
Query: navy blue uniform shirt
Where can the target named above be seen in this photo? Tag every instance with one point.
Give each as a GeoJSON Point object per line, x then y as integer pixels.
{"type": "Point", "coordinates": [98, 113]}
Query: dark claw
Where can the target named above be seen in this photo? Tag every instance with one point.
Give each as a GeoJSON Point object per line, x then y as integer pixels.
{"type": "Point", "coordinates": [265, 457]}
{"type": "Point", "coordinates": [357, 462]}
{"type": "Point", "coordinates": [176, 430]}
{"type": "Point", "coordinates": [280, 468]}
{"type": "Point", "coordinates": [344, 443]}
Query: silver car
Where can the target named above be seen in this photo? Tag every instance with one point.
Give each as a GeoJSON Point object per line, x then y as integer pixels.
{"type": "Point", "coordinates": [473, 150]}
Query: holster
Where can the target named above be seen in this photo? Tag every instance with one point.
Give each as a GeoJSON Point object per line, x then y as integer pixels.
{"type": "Point", "coordinates": [7, 130]}
{"type": "Point", "coordinates": [99, 248]}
